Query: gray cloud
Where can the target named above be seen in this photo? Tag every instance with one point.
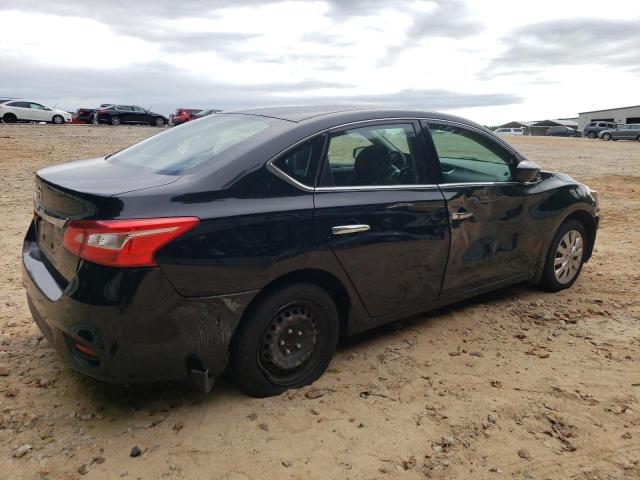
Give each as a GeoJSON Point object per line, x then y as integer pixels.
{"type": "Point", "coordinates": [139, 19]}
{"type": "Point", "coordinates": [612, 43]}
{"type": "Point", "coordinates": [164, 89]}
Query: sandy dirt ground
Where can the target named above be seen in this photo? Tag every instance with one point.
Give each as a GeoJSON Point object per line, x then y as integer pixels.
{"type": "Point", "coordinates": [515, 384]}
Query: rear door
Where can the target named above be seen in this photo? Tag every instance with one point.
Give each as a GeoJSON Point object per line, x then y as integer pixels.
{"type": "Point", "coordinates": [126, 114]}
{"type": "Point", "coordinates": [22, 110]}
{"type": "Point", "coordinates": [489, 210]}
{"type": "Point", "coordinates": [380, 214]}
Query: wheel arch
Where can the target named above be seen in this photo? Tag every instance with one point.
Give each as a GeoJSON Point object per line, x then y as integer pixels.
{"type": "Point", "coordinates": [323, 279]}
{"type": "Point", "coordinates": [581, 213]}
{"type": "Point", "coordinates": [587, 219]}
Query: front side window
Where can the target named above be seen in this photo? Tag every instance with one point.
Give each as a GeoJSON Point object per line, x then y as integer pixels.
{"type": "Point", "coordinates": [467, 156]}
{"type": "Point", "coordinates": [372, 155]}
{"type": "Point", "coordinates": [36, 106]}
{"type": "Point", "coordinates": [139, 109]}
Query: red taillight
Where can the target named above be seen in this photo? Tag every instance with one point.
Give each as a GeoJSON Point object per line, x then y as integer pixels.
{"type": "Point", "coordinates": [123, 243]}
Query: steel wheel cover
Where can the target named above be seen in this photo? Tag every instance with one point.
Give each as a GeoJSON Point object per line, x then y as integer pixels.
{"type": "Point", "coordinates": [568, 258]}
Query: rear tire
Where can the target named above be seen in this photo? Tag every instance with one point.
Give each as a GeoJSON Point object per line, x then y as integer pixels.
{"type": "Point", "coordinates": [592, 135]}
{"type": "Point", "coordinates": [565, 257]}
{"type": "Point", "coordinates": [9, 118]}
{"type": "Point", "coordinates": [286, 340]}
{"type": "Point", "coordinates": [115, 121]}
{"type": "Point", "coordinates": [57, 120]}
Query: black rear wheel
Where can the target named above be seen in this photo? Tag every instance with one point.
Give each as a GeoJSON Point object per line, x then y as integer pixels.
{"type": "Point", "coordinates": [285, 341]}
{"type": "Point", "coordinates": [592, 135]}
{"type": "Point", "coordinates": [115, 120]}
{"type": "Point", "coordinates": [9, 118]}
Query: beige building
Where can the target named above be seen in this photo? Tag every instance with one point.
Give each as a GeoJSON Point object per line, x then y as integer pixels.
{"type": "Point", "coordinates": [618, 115]}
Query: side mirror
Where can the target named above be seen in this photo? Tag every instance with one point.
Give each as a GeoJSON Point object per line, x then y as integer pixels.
{"type": "Point", "coordinates": [527, 171]}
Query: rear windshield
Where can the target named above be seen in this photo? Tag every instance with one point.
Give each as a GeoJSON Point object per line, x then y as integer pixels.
{"type": "Point", "coordinates": [204, 141]}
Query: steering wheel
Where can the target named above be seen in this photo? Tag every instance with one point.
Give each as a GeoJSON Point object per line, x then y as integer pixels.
{"type": "Point", "coordinates": [398, 159]}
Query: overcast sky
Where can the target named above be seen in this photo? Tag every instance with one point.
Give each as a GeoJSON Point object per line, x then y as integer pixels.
{"type": "Point", "coordinates": [492, 61]}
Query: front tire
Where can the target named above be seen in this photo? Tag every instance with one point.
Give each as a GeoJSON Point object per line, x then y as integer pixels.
{"type": "Point", "coordinates": [115, 121]}
{"type": "Point", "coordinates": [565, 257]}
{"type": "Point", "coordinates": [159, 122]}
{"type": "Point", "coordinates": [286, 340]}
{"type": "Point", "coordinates": [57, 120]}
{"type": "Point", "coordinates": [606, 137]}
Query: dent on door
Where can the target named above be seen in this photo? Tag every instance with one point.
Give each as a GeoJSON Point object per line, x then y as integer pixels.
{"type": "Point", "coordinates": [489, 241]}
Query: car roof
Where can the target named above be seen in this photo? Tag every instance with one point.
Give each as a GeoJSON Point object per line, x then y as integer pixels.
{"type": "Point", "coordinates": [333, 115]}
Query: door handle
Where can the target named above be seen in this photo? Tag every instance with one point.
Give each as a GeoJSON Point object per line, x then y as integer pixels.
{"type": "Point", "coordinates": [347, 229]}
{"type": "Point", "coordinates": [459, 216]}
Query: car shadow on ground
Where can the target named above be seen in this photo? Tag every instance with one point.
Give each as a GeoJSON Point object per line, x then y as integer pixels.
{"type": "Point", "coordinates": [171, 395]}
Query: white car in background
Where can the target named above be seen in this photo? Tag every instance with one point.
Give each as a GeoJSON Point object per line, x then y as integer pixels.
{"type": "Point", "coordinates": [510, 131]}
{"type": "Point", "coordinates": [13, 111]}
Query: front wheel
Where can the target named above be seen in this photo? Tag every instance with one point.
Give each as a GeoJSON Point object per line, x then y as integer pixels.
{"type": "Point", "coordinates": [565, 257]}
{"type": "Point", "coordinates": [159, 122]}
{"type": "Point", "coordinates": [285, 341]}
{"type": "Point", "coordinates": [57, 120]}
{"type": "Point", "coordinates": [606, 137]}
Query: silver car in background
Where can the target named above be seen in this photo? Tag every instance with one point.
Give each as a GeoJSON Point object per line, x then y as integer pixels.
{"type": "Point", "coordinates": [622, 132]}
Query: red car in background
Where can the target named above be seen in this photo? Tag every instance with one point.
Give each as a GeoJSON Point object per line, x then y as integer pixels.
{"type": "Point", "coordinates": [183, 115]}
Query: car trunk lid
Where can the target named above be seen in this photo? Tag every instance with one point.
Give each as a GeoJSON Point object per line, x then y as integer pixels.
{"type": "Point", "coordinates": [81, 190]}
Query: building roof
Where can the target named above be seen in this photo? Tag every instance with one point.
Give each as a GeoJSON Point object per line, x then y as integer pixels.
{"type": "Point", "coordinates": [555, 122]}
{"type": "Point", "coordinates": [609, 109]}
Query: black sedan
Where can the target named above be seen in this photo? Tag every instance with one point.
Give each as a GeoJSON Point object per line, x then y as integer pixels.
{"type": "Point", "coordinates": [131, 114]}
{"type": "Point", "coordinates": [561, 131]}
{"type": "Point", "coordinates": [253, 240]}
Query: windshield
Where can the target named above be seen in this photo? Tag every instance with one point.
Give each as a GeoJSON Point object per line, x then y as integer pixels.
{"type": "Point", "coordinates": [206, 140]}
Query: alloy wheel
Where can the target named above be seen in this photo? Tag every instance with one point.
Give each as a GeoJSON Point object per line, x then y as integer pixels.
{"type": "Point", "coordinates": [568, 257]}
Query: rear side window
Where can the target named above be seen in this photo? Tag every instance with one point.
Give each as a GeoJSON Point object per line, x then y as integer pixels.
{"type": "Point", "coordinates": [467, 156]}
{"type": "Point", "coordinates": [213, 139]}
{"type": "Point", "coordinates": [301, 163]}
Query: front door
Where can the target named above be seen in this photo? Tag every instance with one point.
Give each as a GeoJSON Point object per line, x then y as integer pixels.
{"type": "Point", "coordinates": [488, 209]}
{"type": "Point", "coordinates": [40, 113]}
{"type": "Point", "coordinates": [383, 219]}
{"type": "Point", "coordinates": [142, 116]}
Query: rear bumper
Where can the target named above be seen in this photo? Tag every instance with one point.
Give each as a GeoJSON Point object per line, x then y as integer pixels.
{"type": "Point", "coordinates": [139, 327]}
